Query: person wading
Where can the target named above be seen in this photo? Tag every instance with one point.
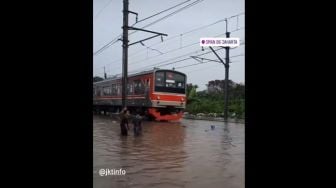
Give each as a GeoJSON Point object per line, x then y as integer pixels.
{"type": "Point", "coordinates": [124, 122]}
{"type": "Point", "coordinates": [137, 127]}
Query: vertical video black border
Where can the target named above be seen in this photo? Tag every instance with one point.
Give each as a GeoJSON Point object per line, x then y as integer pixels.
{"type": "Point", "coordinates": [56, 47]}
{"type": "Point", "coordinates": [261, 103]}
{"type": "Point", "coordinates": [50, 94]}
{"type": "Point", "coordinates": [265, 156]}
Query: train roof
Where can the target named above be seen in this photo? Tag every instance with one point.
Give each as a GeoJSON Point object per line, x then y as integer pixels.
{"type": "Point", "coordinates": [135, 74]}
{"type": "Point", "coordinates": [119, 76]}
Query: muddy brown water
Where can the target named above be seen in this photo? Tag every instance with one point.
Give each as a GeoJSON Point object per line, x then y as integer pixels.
{"type": "Point", "coordinates": [180, 154]}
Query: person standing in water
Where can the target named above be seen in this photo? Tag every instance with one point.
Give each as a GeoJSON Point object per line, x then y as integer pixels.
{"type": "Point", "coordinates": [137, 127]}
{"type": "Point", "coordinates": [124, 122]}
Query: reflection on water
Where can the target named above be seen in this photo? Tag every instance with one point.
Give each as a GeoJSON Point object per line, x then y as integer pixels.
{"type": "Point", "coordinates": [184, 154]}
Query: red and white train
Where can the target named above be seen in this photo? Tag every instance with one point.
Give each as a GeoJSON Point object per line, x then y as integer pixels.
{"type": "Point", "coordinates": [158, 93]}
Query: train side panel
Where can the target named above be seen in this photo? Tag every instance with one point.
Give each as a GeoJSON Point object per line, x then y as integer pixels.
{"type": "Point", "coordinates": [159, 105]}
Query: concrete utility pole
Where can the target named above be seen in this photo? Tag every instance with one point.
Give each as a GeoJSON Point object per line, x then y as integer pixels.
{"type": "Point", "coordinates": [125, 53]}
{"type": "Point", "coordinates": [105, 76]}
{"type": "Point", "coordinates": [125, 46]}
{"type": "Point", "coordinates": [226, 66]}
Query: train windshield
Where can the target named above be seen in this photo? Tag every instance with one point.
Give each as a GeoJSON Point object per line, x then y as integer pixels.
{"type": "Point", "coordinates": [169, 81]}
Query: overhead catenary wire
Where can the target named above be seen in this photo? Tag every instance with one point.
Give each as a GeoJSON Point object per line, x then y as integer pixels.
{"type": "Point", "coordinates": [161, 12]}
{"type": "Point", "coordinates": [178, 35]}
{"type": "Point", "coordinates": [185, 33]}
{"type": "Point", "coordinates": [202, 27]}
{"type": "Point", "coordinates": [168, 62]}
{"type": "Point", "coordinates": [169, 15]}
{"type": "Point", "coordinates": [113, 41]}
{"type": "Point", "coordinates": [167, 52]}
{"type": "Point", "coordinates": [172, 50]}
{"type": "Point", "coordinates": [161, 64]}
{"type": "Point", "coordinates": [101, 10]}
{"type": "Point", "coordinates": [181, 60]}
{"type": "Point", "coordinates": [205, 62]}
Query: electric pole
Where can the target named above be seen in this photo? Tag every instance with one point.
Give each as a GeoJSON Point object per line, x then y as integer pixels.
{"type": "Point", "coordinates": [226, 65]}
{"type": "Point", "coordinates": [125, 53]}
{"type": "Point", "coordinates": [104, 73]}
{"type": "Point", "coordinates": [125, 46]}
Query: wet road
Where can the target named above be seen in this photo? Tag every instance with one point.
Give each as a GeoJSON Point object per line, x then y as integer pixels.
{"type": "Point", "coordinates": [184, 154]}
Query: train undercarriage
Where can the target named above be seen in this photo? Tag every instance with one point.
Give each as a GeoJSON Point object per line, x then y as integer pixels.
{"type": "Point", "coordinates": [169, 113]}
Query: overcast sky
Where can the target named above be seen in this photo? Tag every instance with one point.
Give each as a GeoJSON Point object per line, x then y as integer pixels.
{"type": "Point", "coordinates": [107, 26]}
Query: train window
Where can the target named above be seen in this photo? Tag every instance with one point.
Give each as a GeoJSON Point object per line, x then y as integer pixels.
{"type": "Point", "coordinates": [138, 87]}
{"type": "Point", "coordinates": [175, 80]}
{"type": "Point", "coordinates": [118, 89]}
{"type": "Point", "coordinates": [114, 89]}
{"type": "Point", "coordinates": [130, 88]}
{"type": "Point", "coordinates": [104, 91]}
{"type": "Point", "coordinates": [159, 79]}
{"type": "Point", "coordinates": [98, 91]}
{"type": "Point", "coordinates": [170, 81]}
{"type": "Point", "coordinates": [107, 91]}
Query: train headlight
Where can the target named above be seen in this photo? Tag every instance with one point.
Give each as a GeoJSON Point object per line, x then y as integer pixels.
{"type": "Point", "coordinates": [158, 97]}
{"type": "Point", "coordinates": [182, 99]}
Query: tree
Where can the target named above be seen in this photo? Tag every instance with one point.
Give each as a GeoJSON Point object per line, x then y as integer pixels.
{"type": "Point", "coordinates": [191, 93]}
{"type": "Point", "coordinates": [212, 100]}
{"type": "Point", "coordinates": [190, 87]}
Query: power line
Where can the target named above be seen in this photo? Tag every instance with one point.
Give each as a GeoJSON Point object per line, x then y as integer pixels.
{"type": "Point", "coordinates": [171, 14]}
{"type": "Point", "coordinates": [187, 32]}
{"type": "Point", "coordinates": [149, 66]}
{"type": "Point", "coordinates": [175, 12]}
{"type": "Point", "coordinates": [161, 12]}
{"type": "Point", "coordinates": [199, 28]}
{"type": "Point", "coordinates": [101, 10]}
{"type": "Point", "coordinates": [191, 31]}
{"type": "Point", "coordinates": [188, 54]}
{"type": "Point", "coordinates": [115, 40]}
{"type": "Point", "coordinates": [172, 50]}
{"type": "Point", "coordinates": [150, 48]}
{"type": "Point", "coordinates": [181, 60]}
{"type": "Point", "coordinates": [155, 65]}
{"type": "Point", "coordinates": [203, 69]}
{"type": "Point", "coordinates": [160, 64]}
{"type": "Point", "coordinates": [204, 62]}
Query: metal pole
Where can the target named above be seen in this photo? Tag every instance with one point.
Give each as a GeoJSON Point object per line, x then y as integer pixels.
{"type": "Point", "coordinates": [226, 87]}
{"type": "Point", "coordinates": [104, 73]}
{"type": "Point", "coordinates": [125, 53]}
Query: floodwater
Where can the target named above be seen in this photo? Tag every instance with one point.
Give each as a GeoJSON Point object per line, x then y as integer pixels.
{"type": "Point", "coordinates": [188, 153]}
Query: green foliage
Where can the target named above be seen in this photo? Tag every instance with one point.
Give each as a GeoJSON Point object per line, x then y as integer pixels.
{"type": "Point", "coordinates": [191, 93]}
{"type": "Point", "coordinates": [213, 102]}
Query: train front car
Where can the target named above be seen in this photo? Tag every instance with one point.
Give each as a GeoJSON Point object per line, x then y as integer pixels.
{"type": "Point", "coordinates": [169, 95]}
